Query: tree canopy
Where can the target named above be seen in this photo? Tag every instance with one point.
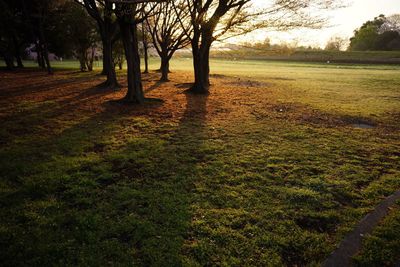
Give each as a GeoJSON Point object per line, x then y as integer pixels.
{"type": "Point", "coordinates": [382, 33]}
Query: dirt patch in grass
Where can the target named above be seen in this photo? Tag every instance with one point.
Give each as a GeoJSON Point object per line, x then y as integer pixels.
{"type": "Point", "coordinates": [239, 82]}
{"type": "Point", "coordinates": [304, 114]}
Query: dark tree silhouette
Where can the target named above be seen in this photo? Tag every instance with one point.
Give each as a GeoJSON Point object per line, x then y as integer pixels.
{"type": "Point", "coordinates": [217, 19]}
{"type": "Point", "coordinates": [77, 33]}
{"type": "Point", "coordinates": [129, 16]}
{"type": "Point", "coordinates": [145, 43]}
{"type": "Point", "coordinates": [102, 12]}
{"type": "Point", "coordinates": [379, 34]}
{"type": "Point", "coordinates": [37, 15]}
{"type": "Point", "coordinates": [166, 31]}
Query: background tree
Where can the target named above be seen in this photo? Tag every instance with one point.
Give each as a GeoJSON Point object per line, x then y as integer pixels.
{"type": "Point", "coordinates": [77, 32]}
{"type": "Point", "coordinates": [6, 34]}
{"type": "Point", "coordinates": [102, 12]}
{"type": "Point", "coordinates": [40, 12]}
{"type": "Point", "coordinates": [336, 44]}
{"type": "Point", "coordinates": [118, 54]}
{"type": "Point", "coordinates": [389, 37]}
{"type": "Point", "coordinates": [23, 23]}
{"type": "Point", "coordinates": [19, 34]}
{"type": "Point", "coordinates": [216, 19]}
{"type": "Point", "coordinates": [166, 32]}
{"type": "Point", "coordinates": [391, 23]}
{"type": "Point", "coordinates": [387, 41]}
{"type": "Point", "coordinates": [145, 42]}
{"type": "Point", "coordinates": [379, 34]}
{"type": "Point", "coordinates": [365, 37]}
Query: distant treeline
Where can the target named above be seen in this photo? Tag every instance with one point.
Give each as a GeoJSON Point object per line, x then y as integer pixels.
{"type": "Point", "coordinates": [364, 57]}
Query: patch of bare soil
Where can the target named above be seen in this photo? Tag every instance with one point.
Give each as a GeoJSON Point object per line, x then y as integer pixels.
{"type": "Point", "coordinates": [240, 82]}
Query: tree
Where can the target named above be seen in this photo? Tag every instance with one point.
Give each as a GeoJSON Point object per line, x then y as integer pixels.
{"type": "Point", "coordinates": [118, 54]}
{"type": "Point", "coordinates": [379, 34]}
{"type": "Point", "coordinates": [40, 12]}
{"type": "Point", "coordinates": [102, 12]}
{"type": "Point", "coordinates": [214, 19]}
{"type": "Point", "coordinates": [391, 23]}
{"type": "Point", "coordinates": [365, 37]}
{"type": "Point", "coordinates": [128, 17]}
{"type": "Point", "coordinates": [79, 30]}
{"type": "Point", "coordinates": [145, 43]}
{"type": "Point", "coordinates": [335, 44]}
{"type": "Point", "coordinates": [390, 33]}
{"type": "Point", "coordinates": [167, 33]}
{"type": "Point", "coordinates": [17, 29]}
{"type": "Point", "coordinates": [6, 35]}
{"type": "Point", "coordinates": [23, 23]}
{"type": "Point", "coordinates": [387, 41]}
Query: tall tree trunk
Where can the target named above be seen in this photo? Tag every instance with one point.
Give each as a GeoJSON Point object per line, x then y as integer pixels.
{"type": "Point", "coordinates": [201, 63]}
{"type": "Point", "coordinates": [146, 57]}
{"type": "Point", "coordinates": [106, 49]}
{"type": "Point", "coordinates": [19, 60]}
{"type": "Point", "coordinates": [82, 60]}
{"type": "Point", "coordinates": [82, 64]}
{"type": "Point", "coordinates": [108, 65]}
{"type": "Point", "coordinates": [89, 61]}
{"type": "Point", "coordinates": [45, 54]}
{"type": "Point", "coordinates": [9, 60]}
{"type": "Point", "coordinates": [39, 55]}
{"type": "Point", "coordinates": [17, 52]}
{"type": "Point", "coordinates": [146, 52]}
{"type": "Point", "coordinates": [42, 61]}
{"type": "Point", "coordinates": [129, 37]}
{"type": "Point", "coordinates": [164, 68]}
{"type": "Point", "coordinates": [27, 16]}
{"type": "Point", "coordinates": [46, 58]}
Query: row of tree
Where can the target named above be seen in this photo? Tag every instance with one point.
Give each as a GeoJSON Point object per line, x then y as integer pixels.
{"type": "Point", "coordinates": [382, 33]}
{"type": "Point", "coordinates": [78, 26]}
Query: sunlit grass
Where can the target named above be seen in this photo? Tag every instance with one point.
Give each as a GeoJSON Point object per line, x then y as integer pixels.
{"type": "Point", "coordinates": [256, 174]}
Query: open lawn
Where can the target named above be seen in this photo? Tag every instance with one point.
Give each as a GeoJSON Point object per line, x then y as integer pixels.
{"type": "Point", "coordinates": [382, 57]}
{"type": "Point", "coordinates": [273, 168]}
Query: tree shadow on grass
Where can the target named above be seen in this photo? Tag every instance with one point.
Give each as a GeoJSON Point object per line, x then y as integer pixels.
{"type": "Point", "coordinates": [65, 173]}
{"type": "Point", "coordinates": [153, 87]}
{"type": "Point", "coordinates": [30, 117]}
{"type": "Point", "coordinates": [104, 191]}
{"type": "Point", "coordinates": [20, 84]}
{"type": "Point", "coordinates": [155, 190]}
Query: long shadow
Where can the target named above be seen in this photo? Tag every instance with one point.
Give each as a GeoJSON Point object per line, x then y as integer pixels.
{"type": "Point", "coordinates": [38, 115]}
{"type": "Point", "coordinates": [101, 192]}
{"type": "Point", "coordinates": [44, 85]}
{"type": "Point", "coordinates": [76, 171]}
{"type": "Point", "coordinates": [153, 87]}
{"type": "Point", "coordinates": [164, 172]}
{"type": "Point", "coordinates": [187, 144]}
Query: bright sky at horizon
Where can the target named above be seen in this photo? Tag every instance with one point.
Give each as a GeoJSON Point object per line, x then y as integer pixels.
{"type": "Point", "coordinates": [343, 22]}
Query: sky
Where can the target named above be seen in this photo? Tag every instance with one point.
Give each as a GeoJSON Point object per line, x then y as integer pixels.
{"type": "Point", "coordinates": [342, 23]}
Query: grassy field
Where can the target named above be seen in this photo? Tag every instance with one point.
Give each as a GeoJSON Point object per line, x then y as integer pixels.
{"type": "Point", "coordinates": [273, 168]}
{"type": "Point", "coordinates": [356, 57]}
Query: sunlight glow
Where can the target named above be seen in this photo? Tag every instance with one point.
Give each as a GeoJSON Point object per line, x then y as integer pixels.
{"type": "Point", "coordinates": [342, 23]}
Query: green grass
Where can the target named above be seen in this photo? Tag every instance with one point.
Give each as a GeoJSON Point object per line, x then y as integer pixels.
{"type": "Point", "coordinates": [271, 175]}
{"type": "Point", "coordinates": [382, 57]}
{"type": "Point", "coordinates": [382, 247]}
